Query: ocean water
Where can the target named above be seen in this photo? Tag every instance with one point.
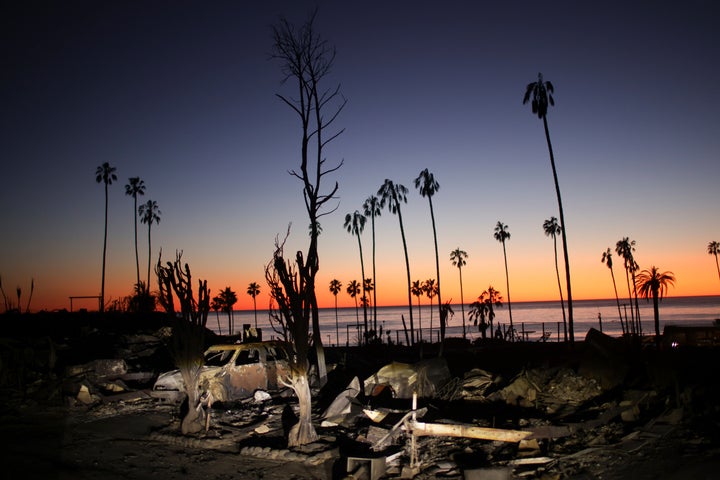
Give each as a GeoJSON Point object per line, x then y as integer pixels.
{"type": "Point", "coordinates": [530, 319]}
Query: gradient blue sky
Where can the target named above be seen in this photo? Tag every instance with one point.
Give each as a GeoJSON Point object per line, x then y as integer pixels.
{"type": "Point", "coordinates": [182, 94]}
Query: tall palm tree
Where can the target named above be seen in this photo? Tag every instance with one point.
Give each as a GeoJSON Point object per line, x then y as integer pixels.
{"type": "Point", "coordinates": [353, 289]}
{"type": "Point", "coordinates": [458, 258]}
{"type": "Point", "coordinates": [625, 249]}
{"type": "Point", "coordinates": [552, 228]}
{"type": "Point", "coordinates": [431, 290]}
{"type": "Point", "coordinates": [713, 248]}
{"type": "Point", "coordinates": [371, 208]}
{"type": "Point", "coordinates": [105, 174]}
{"type": "Point", "coordinates": [652, 283]}
{"type": "Point", "coordinates": [607, 260]}
{"type": "Point", "coordinates": [135, 187]}
{"type": "Point", "coordinates": [253, 290]}
{"type": "Point", "coordinates": [542, 97]}
{"type": "Point", "coordinates": [393, 195]}
{"type": "Point", "coordinates": [355, 224]}
{"type": "Point", "coordinates": [149, 213]}
{"type": "Point", "coordinates": [501, 235]}
{"type": "Point", "coordinates": [228, 299]}
{"type": "Point", "coordinates": [335, 287]}
{"type": "Point", "coordinates": [428, 186]}
{"type": "Point", "coordinates": [417, 289]}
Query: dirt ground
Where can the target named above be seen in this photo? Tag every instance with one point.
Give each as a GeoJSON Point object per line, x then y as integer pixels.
{"type": "Point", "coordinates": [644, 416]}
{"type": "Point", "coordinates": [126, 444]}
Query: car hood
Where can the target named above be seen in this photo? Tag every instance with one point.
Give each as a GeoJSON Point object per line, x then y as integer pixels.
{"type": "Point", "coordinates": [172, 380]}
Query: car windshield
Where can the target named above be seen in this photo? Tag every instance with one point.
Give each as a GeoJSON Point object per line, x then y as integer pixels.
{"type": "Point", "coordinates": [218, 358]}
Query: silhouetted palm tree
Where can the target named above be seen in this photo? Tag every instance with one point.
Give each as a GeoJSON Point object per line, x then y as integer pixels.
{"type": "Point", "coordinates": [458, 257]}
{"type": "Point", "coordinates": [607, 260]}
{"type": "Point", "coordinates": [713, 248]}
{"type": "Point", "coordinates": [552, 228]}
{"type": "Point", "coordinates": [625, 249]}
{"type": "Point", "coordinates": [149, 213]}
{"type": "Point", "coordinates": [483, 308]}
{"type": "Point", "coordinates": [335, 287]}
{"type": "Point", "coordinates": [431, 290]}
{"type": "Point", "coordinates": [105, 174]}
{"type": "Point", "coordinates": [355, 224]}
{"type": "Point", "coordinates": [652, 283]}
{"type": "Point", "coordinates": [216, 305]}
{"type": "Point", "coordinates": [134, 188]}
{"type": "Point", "coordinates": [501, 234]}
{"type": "Point", "coordinates": [254, 290]}
{"type": "Point", "coordinates": [353, 289]}
{"type": "Point", "coordinates": [417, 289]}
{"type": "Point", "coordinates": [371, 208]}
{"type": "Point", "coordinates": [393, 195]}
{"type": "Point", "coordinates": [542, 97]}
{"type": "Point", "coordinates": [228, 299]}
{"type": "Point", "coordinates": [428, 186]}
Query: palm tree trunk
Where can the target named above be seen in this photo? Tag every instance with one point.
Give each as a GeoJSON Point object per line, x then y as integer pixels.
{"type": "Point", "coordinates": [407, 267]}
{"type": "Point", "coordinates": [557, 274]}
{"type": "Point", "coordinates": [656, 313]}
{"type": "Point", "coordinates": [632, 326]}
{"type": "Point", "coordinates": [362, 288]}
{"type": "Point", "coordinates": [462, 303]}
{"type": "Point", "coordinates": [437, 269]}
{"type": "Point", "coordinates": [372, 219]}
{"type": "Point", "coordinates": [717, 265]}
{"type": "Point", "coordinates": [149, 255]}
{"type": "Point", "coordinates": [255, 310]}
{"type": "Point", "coordinates": [571, 327]}
{"type": "Point", "coordinates": [137, 260]}
{"type": "Point", "coordinates": [617, 300]}
{"type": "Point", "coordinates": [102, 287]}
{"type": "Point", "coordinates": [507, 284]}
{"type": "Point", "coordinates": [337, 326]}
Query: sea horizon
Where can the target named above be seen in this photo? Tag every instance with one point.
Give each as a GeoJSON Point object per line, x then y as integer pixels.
{"type": "Point", "coordinates": [531, 319]}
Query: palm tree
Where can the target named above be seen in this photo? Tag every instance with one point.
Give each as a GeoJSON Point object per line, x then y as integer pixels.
{"type": "Point", "coordinates": [228, 299]}
{"type": "Point", "coordinates": [458, 258]}
{"type": "Point", "coordinates": [134, 188]}
{"type": "Point", "coordinates": [428, 186]}
{"type": "Point", "coordinates": [552, 228]}
{"type": "Point", "coordinates": [713, 248]}
{"type": "Point", "coordinates": [371, 208]}
{"type": "Point", "coordinates": [393, 195]}
{"type": "Point", "coordinates": [625, 249]}
{"type": "Point", "coordinates": [149, 213]}
{"type": "Point", "coordinates": [484, 307]}
{"type": "Point", "coordinates": [355, 224]}
{"type": "Point", "coordinates": [417, 289]}
{"type": "Point", "coordinates": [216, 305]}
{"type": "Point", "coordinates": [335, 287]}
{"type": "Point", "coordinates": [607, 260]}
{"type": "Point", "coordinates": [541, 93]}
{"type": "Point", "coordinates": [431, 289]}
{"type": "Point", "coordinates": [652, 283]}
{"type": "Point", "coordinates": [353, 289]}
{"type": "Point", "coordinates": [106, 174]}
{"type": "Point", "coordinates": [501, 234]}
{"type": "Point", "coordinates": [253, 290]}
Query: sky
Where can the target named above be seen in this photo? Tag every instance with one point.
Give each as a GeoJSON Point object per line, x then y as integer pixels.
{"type": "Point", "coordinates": [184, 95]}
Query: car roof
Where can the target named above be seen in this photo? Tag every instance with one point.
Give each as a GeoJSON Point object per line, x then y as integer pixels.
{"type": "Point", "coordinates": [247, 346]}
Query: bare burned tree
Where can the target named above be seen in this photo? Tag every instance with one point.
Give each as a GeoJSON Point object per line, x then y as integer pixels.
{"type": "Point", "coordinates": [306, 60]}
{"type": "Point", "coordinates": [187, 344]}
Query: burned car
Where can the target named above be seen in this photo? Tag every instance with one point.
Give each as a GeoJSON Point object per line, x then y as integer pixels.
{"type": "Point", "coordinates": [231, 372]}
